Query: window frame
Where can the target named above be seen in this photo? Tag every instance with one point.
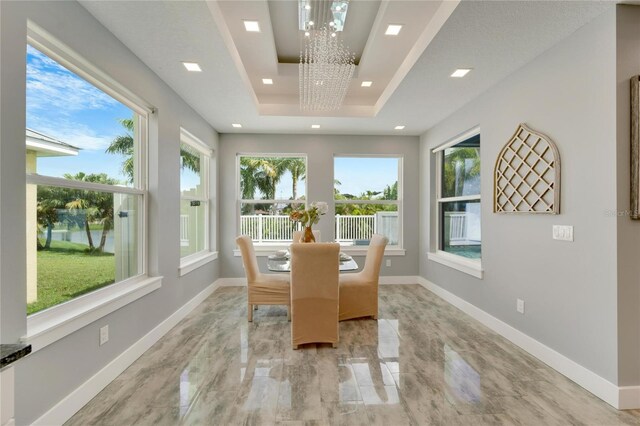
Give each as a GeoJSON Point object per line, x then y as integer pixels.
{"type": "Point", "coordinates": [437, 254]}
{"type": "Point", "coordinates": [240, 200]}
{"type": "Point", "coordinates": [390, 249]}
{"type": "Point", "coordinates": [193, 261]}
{"type": "Point", "coordinates": [51, 324]}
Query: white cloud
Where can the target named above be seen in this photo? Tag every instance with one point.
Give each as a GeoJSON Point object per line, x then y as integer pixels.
{"type": "Point", "coordinates": [78, 135]}
{"type": "Point", "coordinates": [51, 86]}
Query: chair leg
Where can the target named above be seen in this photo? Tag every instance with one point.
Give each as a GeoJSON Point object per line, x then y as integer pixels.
{"type": "Point", "coordinates": [334, 345]}
{"type": "Point", "coordinates": [288, 313]}
{"type": "Point", "coordinates": [375, 317]}
{"type": "Point", "coordinates": [250, 312]}
{"type": "Point", "coordinates": [295, 347]}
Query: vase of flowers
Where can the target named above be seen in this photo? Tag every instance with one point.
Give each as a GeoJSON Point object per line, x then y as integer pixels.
{"type": "Point", "coordinates": [308, 218]}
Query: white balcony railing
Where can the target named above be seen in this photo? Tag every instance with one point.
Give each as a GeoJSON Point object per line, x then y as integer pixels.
{"type": "Point", "coordinates": [349, 228]}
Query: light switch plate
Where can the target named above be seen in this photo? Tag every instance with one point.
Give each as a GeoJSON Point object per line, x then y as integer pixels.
{"type": "Point", "coordinates": [104, 335]}
{"type": "Point", "coordinates": [563, 232]}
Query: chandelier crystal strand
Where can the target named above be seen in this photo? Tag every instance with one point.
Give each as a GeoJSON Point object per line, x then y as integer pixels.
{"type": "Point", "coordinates": [325, 71]}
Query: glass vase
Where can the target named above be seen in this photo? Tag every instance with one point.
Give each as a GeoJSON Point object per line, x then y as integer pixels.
{"type": "Point", "coordinates": [308, 236]}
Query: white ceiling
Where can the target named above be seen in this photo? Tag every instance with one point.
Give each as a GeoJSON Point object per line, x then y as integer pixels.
{"type": "Point", "coordinates": [494, 38]}
{"type": "Point", "coordinates": [384, 60]}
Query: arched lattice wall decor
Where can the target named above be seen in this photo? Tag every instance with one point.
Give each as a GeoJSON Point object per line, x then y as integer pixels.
{"type": "Point", "coordinates": [527, 175]}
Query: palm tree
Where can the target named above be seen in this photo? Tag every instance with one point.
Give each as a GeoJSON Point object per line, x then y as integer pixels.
{"type": "Point", "coordinates": [260, 174]}
{"type": "Point", "coordinates": [298, 169]}
{"type": "Point", "coordinates": [97, 206]}
{"type": "Point", "coordinates": [50, 201]}
{"type": "Point", "coordinates": [124, 145]}
{"type": "Point", "coordinates": [456, 173]}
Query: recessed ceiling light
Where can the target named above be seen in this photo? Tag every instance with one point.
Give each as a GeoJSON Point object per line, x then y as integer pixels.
{"type": "Point", "coordinates": [252, 26]}
{"type": "Point", "coordinates": [338, 8]}
{"type": "Point", "coordinates": [366, 83]}
{"type": "Point", "coordinates": [333, 34]}
{"type": "Point", "coordinates": [192, 66]}
{"type": "Point", "coordinates": [315, 126]}
{"type": "Point", "coordinates": [398, 128]}
{"type": "Point", "coordinates": [460, 72]}
{"type": "Point", "coordinates": [307, 7]}
{"type": "Point", "coordinates": [267, 81]}
{"type": "Point", "coordinates": [311, 23]}
{"type": "Point", "coordinates": [393, 29]}
{"type": "Point", "coordinates": [307, 33]}
{"type": "Point", "coordinates": [236, 125]}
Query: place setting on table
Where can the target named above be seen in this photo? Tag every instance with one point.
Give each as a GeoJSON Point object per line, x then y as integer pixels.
{"type": "Point", "coordinates": [280, 261]}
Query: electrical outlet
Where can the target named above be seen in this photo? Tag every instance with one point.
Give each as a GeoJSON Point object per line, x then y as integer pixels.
{"type": "Point", "coordinates": [563, 232]}
{"type": "Point", "coordinates": [388, 262]}
{"type": "Point", "coordinates": [520, 306]}
{"type": "Point", "coordinates": [104, 335]}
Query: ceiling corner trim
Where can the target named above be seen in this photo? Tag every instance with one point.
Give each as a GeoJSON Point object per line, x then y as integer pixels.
{"type": "Point", "coordinates": [218, 17]}
{"type": "Point", "coordinates": [431, 29]}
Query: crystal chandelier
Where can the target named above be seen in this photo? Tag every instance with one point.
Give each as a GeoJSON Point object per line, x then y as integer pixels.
{"type": "Point", "coordinates": [326, 66]}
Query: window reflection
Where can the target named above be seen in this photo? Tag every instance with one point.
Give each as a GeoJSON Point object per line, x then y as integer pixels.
{"type": "Point", "coordinates": [463, 382]}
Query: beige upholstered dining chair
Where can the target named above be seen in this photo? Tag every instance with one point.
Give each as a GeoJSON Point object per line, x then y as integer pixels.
{"type": "Point", "coordinates": [297, 235]}
{"type": "Point", "coordinates": [262, 289]}
{"type": "Point", "coordinates": [359, 291]}
{"type": "Point", "coordinates": [314, 293]}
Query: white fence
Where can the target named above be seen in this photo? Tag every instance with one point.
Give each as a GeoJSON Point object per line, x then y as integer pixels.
{"type": "Point", "coordinates": [268, 228]}
{"type": "Point", "coordinates": [457, 227]}
{"type": "Point", "coordinates": [349, 229]}
{"type": "Point", "coordinates": [464, 228]}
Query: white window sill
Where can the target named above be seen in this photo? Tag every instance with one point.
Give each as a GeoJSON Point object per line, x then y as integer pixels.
{"type": "Point", "coordinates": [50, 325]}
{"type": "Point", "coordinates": [468, 266]}
{"type": "Point", "coordinates": [191, 263]}
{"type": "Point", "coordinates": [267, 250]}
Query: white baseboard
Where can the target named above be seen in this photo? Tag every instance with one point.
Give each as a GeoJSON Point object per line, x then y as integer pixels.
{"type": "Point", "coordinates": [77, 399]}
{"type": "Point", "coordinates": [628, 397]}
{"type": "Point", "coordinates": [400, 279]}
{"type": "Point", "coordinates": [384, 280]}
{"type": "Point", "coordinates": [619, 397]}
{"type": "Point", "coordinates": [232, 282]}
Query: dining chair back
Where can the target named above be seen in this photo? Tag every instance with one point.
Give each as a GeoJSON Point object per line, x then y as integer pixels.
{"type": "Point", "coordinates": [359, 291]}
{"type": "Point", "coordinates": [314, 293]}
{"type": "Point", "coordinates": [262, 289]}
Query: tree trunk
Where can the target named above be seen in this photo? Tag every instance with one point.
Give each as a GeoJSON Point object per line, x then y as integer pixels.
{"type": "Point", "coordinates": [86, 228]}
{"type": "Point", "coordinates": [294, 185]}
{"type": "Point", "coordinates": [105, 230]}
{"type": "Point", "coordinates": [47, 244]}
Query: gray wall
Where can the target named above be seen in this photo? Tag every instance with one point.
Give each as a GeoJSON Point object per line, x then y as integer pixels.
{"type": "Point", "coordinates": [45, 377]}
{"type": "Point", "coordinates": [569, 289]}
{"type": "Point", "coordinates": [628, 65]}
{"type": "Point", "coordinates": [320, 150]}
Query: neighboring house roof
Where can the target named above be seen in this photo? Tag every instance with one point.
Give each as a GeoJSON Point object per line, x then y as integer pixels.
{"type": "Point", "coordinates": [46, 146]}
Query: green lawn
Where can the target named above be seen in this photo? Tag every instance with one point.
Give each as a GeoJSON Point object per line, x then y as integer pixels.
{"type": "Point", "coordinates": [65, 271]}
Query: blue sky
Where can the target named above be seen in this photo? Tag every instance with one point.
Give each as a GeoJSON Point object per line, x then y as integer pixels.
{"type": "Point", "coordinates": [62, 105]}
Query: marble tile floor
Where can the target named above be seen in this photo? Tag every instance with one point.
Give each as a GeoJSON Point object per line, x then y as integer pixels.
{"type": "Point", "coordinates": [422, 362]}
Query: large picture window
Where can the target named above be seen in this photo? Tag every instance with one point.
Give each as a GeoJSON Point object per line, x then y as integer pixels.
{"type": "Point", "coordinates": [269, 186]}
{"type": "Point", "coordinates": [368, 199]}
{"type": "Point", "coordinates": [86, 184]}
{"type": "Point", "coordinates": [195, 158]}
{"type": "Point", "coordinates": [459, 198]}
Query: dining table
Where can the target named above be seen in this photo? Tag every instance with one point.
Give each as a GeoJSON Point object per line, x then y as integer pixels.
{"type": "Point", "coordinates": [281, 262]}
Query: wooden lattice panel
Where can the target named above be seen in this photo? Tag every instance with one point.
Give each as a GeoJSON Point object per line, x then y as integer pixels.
{"type": "Point", "coordinates": [527, 175]}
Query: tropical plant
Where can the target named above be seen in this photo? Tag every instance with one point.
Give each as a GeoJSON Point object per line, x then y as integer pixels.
{"type": "Point", "coordinates": [461, 168]}
{"type": "Point", "coordinates": [124, 145]}
{"type": "Point", "coordinates": [95, 206]}
{"type": "Point", "coordinates": [50, 200]}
